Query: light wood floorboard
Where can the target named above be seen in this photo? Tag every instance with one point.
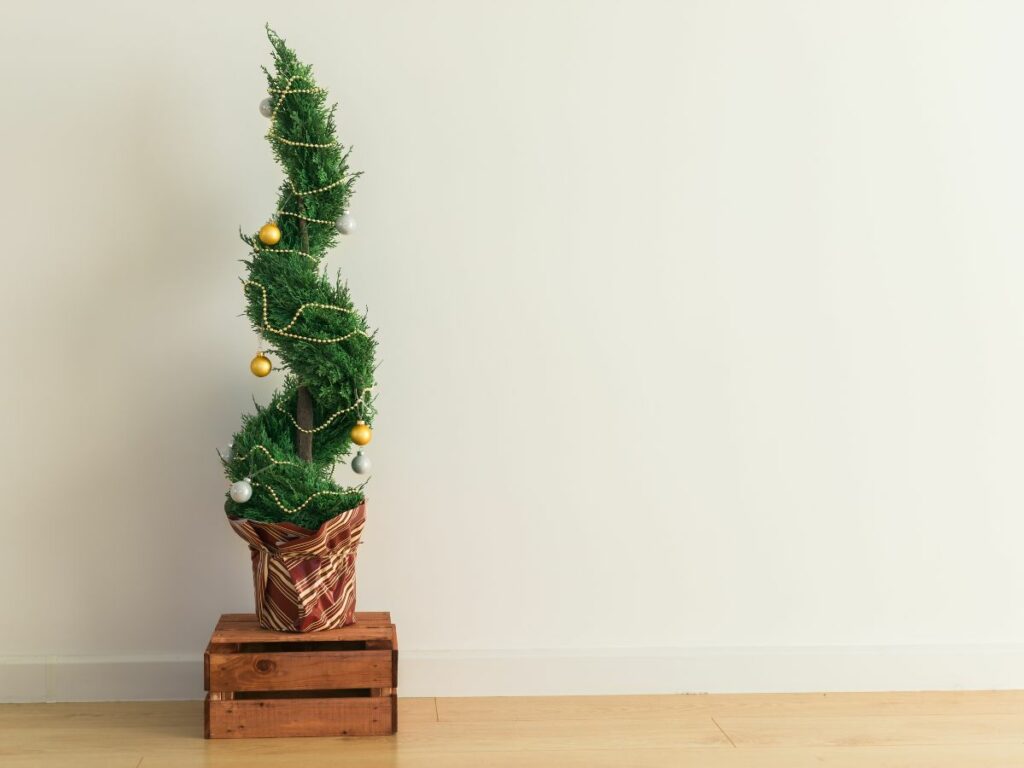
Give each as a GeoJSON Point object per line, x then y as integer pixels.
{"type": "Point", "coordinates": [885, 730]}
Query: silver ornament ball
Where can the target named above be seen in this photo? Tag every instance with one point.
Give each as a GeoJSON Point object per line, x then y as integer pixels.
{"type": "Point", "coordinates": [361, 463]}
{"type": "Point", "coordinates": [241, 491]}
{"type": "Point", "coordinates": [346, 223]}
{"type": "Point", "coordinates": [267, 108]}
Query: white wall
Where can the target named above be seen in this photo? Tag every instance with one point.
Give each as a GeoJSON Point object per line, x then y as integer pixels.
{"type": "Point", "coordinates": [700, 327]}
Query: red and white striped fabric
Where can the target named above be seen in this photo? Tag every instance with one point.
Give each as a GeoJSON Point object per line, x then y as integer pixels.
{"type": "Point", "coordinates": [305, 580]}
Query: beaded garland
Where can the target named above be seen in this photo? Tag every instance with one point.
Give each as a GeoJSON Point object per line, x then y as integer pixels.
{"type": "Point", "coordinates": [273, 493]}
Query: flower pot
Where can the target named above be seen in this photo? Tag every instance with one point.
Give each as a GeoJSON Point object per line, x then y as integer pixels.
{"type": "Point", "coordinates": [304, 580]}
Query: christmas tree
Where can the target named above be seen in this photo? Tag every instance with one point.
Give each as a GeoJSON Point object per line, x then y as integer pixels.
{"type": "Point", "coordinates": [281, 462]}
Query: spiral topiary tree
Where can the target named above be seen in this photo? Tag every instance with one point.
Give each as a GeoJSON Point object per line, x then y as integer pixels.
{"type": "Point", "coordinates": [282, 460]}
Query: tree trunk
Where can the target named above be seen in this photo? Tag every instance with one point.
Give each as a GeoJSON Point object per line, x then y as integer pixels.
{"type": "Point", "coordinates": [303, 232]}
{"type": "Point", "coordinates": [304, 417]}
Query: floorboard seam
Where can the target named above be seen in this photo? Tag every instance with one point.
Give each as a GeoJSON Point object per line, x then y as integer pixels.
{"type": "Point", "coordinates": [723, 732]}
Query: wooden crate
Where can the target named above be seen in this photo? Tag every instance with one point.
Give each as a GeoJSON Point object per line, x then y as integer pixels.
{"type": "Point", "coordinates": [339, 682]}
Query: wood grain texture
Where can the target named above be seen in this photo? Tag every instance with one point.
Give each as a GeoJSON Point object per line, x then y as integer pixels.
{"type": "Point", "coordinates": [873, 757]}
{"type": "Point", "coordinates": [243, 628]}
{"type": "Point", "coordinates": [303, 671]}
{"type": "Point", "coordinates": [372, 716]}
{"type": "Point", "coordinates": [923, 730]}
{"type": "Point", "coordinates": [851, 731]}
{"type": "Point", "coordinates": [506, 708]}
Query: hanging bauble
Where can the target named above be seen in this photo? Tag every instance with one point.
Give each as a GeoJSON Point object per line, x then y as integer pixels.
{"type": "Point", "coordinates": [270, 234]}
{"type": "Point", "coordinates": [228, 453]}
{"type": "Point", "coordinates": [241, 491]}
{"type": "Point", "coordinates": [346, 223]}
{"type": "Point", "coordinates": [267, 108]}
{"type": "Point", "coordinates": [361, 463]}
{"type": "Point", "coordinates": [260, 365]}
{"type": "Point", "coordinates": [361, 433]}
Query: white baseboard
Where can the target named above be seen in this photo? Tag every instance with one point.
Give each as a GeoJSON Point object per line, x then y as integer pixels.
{"type": "Point", "coordinates": [712, 670]}
{"type": "Point", "coordinates": [554, 672]}
{"type": "Point", "coordinates": [100, 678]}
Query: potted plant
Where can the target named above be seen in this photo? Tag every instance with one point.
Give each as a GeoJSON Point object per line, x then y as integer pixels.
{"type": "Point", "coordinates": [301, 526]}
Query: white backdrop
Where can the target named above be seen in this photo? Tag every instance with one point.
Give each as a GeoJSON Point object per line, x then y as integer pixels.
{"type": "Point", "coordinates": [700, 328]}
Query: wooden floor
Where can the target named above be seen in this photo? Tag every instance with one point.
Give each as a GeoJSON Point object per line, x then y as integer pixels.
{"type": "Point", "coordinates": [890, 730]}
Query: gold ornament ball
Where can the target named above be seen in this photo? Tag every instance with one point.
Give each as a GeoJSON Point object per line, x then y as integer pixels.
{"type": "Point", "coordinates": [260, 365]}
{"type": "Point", "coordinates": [270, 234]}
{"type": "Point", "coordinates": [361, 433]}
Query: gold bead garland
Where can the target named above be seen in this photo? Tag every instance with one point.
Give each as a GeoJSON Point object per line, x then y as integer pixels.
{"type": "Point", "coordinates": [332, 185]}
{"type": "Point", "coordinates": [302, 506]}
{"type": "Point", "coordinates": [270, 456]}
{"type": "Point", "coordinates": [285, 250]}
{"type": "Point", "coordinates": [288, 89]}
{"type": "Point", "coordinates": [332, 417]}
{"type": "Point", "coordinates": [285, 330]}
{"type": "Point", "coordinates": [273, 493]}
{"type": "Point", "coordinates": [305, 218]}
{"type": "Point", "coordinates": [305, 144]}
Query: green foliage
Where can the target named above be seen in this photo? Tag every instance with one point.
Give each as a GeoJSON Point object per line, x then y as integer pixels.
{"type": "Point", "coordinates": [335, 373]}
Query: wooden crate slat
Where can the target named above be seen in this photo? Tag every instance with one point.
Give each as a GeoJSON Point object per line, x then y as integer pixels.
{"type": "Point", "coordinates": [243, 628]}
{"type": "Point", "coordinates": [332, 635]}
{"type": "Point", "coordinates": [260, 718]}
{"type": "Point", "coordinates": [305, 670]}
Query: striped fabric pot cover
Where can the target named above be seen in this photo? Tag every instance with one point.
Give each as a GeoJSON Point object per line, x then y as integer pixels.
{"type": "Point", "coordinates": [305, 580]}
